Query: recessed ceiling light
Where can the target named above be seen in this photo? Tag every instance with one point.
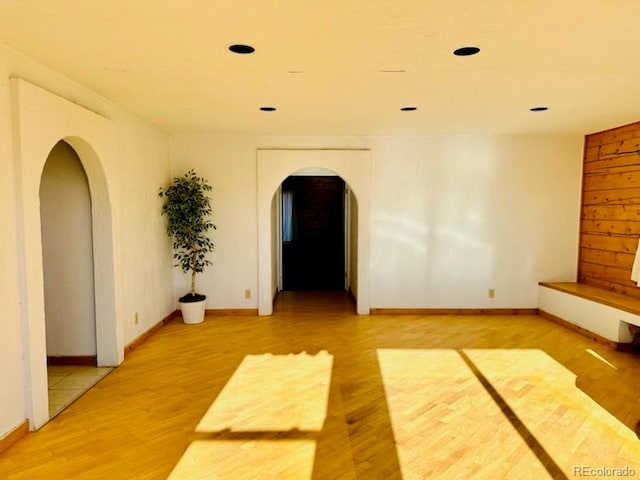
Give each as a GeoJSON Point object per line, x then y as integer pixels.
{"type": "Point", "coordinates": [408, 109]}
{"type": "Point", "coordinates": [241, 49]}
{"type": "Point", "coordinates": [466, 51]}
{"type": "Point", "coordinates": [539, 109]}
{"type": "Point", "coordinates": [268, 109]}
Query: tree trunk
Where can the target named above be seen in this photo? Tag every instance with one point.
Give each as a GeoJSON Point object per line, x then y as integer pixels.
{"type": "Point", "coordinates": [193, 274]}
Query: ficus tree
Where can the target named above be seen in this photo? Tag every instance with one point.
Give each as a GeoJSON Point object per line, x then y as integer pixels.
{"type": "Point", "coordinates": [188, 208]}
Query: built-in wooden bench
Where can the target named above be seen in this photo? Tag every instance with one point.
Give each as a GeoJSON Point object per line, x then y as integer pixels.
{"type": "Point", "coordinates": [596, 312]}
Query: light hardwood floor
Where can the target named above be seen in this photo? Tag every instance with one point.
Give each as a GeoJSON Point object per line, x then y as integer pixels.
{"type": "Point", "coordinates": [409, 397]}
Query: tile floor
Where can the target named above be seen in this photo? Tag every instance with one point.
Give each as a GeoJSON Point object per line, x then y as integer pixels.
{"type": "Point", "coordinates": [68, 382]}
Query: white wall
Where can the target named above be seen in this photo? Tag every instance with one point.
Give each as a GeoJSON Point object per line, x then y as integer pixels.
{"type": "Point", "coordinates": [456, 216]}
{"type": "Point", "coordinates": [230, 168]}
{"type": "Point", "coordinates": [452, 216]}
{"type": "Point", "coordinates": [129, 160]}
{"type": "Point", "coordinates": [353, 250]}
{"type": "Point", "coordinates": [143, 250]}
{"type": "Point", "coordinates": [67, 255]}
{"type": "Point", "coordinates": [11, 373]}
{"type": "Point", "coordinates": [275, 249]}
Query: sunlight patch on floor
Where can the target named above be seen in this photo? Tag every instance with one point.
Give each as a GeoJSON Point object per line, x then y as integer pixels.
{"type": "Point", "coordinates": [571, 426]}
{"type": "Point", "coordinates": [444, 422]}
{"type": "Point", "coordinates": [273, 393]}
{"type": "Point", "coordinates": [246, 460]}
{"type": "Point", "coordinates": [601, 358]}
{"type": "Point", "coordinates": [447, 424]}
{"type": "Point", "coordinates": [267, 393]}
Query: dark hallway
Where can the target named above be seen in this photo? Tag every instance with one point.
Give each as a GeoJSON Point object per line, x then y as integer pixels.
{"type": "Point", "coordinates": [313, 249]}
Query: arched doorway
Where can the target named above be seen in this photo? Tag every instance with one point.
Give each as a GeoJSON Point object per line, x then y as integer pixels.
{"type": "Point", "coordinates": [67, 259]}
{"type": "Point", "coordinates": [68, 274]}
{"type": "Point", "coordinates": [354, 166]}
{"type": "Point", "coordinates": [313, 232]}
{"type": "Point", "coordinates": [42, 120]}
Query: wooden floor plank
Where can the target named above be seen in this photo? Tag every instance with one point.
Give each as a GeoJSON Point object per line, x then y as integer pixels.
{"type": "Point", "coordinates": [140, 420]}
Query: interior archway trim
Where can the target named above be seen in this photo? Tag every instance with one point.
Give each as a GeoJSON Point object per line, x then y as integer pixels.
{"type": "Point", "coordinates": [275, 165]}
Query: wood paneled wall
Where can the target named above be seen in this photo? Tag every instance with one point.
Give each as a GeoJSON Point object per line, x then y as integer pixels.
{"type": "Point", "coordinates": [610, 223]}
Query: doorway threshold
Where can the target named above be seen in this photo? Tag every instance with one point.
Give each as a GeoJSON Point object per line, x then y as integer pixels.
{"type": "Point", "coordinates": [67, 383]}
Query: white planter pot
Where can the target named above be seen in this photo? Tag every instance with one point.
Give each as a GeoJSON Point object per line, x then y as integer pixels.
{"type": "Point", "coordinates": [192, 312]}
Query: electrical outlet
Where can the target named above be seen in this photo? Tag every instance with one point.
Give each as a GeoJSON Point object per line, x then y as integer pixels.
{"type": "Point", "coordinates": [247, 294]}
{"type": "Point", "coordinates": [136, 318]}
{"type": "Point", "coordinates": [492, 293]}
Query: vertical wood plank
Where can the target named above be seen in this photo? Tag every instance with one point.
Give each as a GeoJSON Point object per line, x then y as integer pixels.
{"type": "Point", "coordinates": [610, 217]}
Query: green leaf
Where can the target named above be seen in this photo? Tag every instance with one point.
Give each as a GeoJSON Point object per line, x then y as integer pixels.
{"type": "Point", "coordinates": [187, 207]}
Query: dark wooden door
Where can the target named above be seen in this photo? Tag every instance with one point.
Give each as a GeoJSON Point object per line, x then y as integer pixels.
{"type": "Point", "coordinates": [313, 244]}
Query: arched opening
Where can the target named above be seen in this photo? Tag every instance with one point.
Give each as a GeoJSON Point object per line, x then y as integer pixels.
{"type": "Point", "coordinates": [42, 120]}
{"type": "Point", "coordinates": [67, 258]}
{"type": "Point", "coordinates": [274, 166]}
{"type": "Point", "coordinates": [68, 275]}
{"type": "Point", "coordinates": [317, 255]}
{"type": "Point", "coordinates": [313, 232]}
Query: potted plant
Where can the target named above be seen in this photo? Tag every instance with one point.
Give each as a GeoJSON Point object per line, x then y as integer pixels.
{"type": "Point", "coordinates": [188, 208]}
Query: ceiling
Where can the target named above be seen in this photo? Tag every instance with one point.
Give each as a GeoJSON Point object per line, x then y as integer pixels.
{"type": "Point", "coordinates": [345, 67]}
